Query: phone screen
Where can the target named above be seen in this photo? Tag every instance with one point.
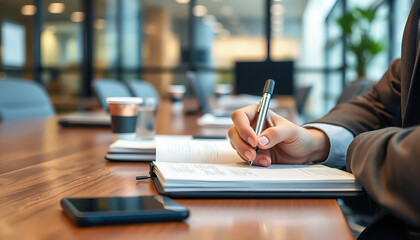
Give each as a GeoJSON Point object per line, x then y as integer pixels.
{"type": "Point", "coordinates": [117, 204]}
{"type": "Point", "coordinates": [115, 210]}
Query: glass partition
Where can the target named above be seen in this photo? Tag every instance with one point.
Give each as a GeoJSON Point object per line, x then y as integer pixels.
{"type": "Point", "coordinates": [61, 48]}
{"type": "Point", "coordinates": [159, 40]}
{"type": "Point", "coordinates": [165, 43]}
{"type": "Point", "coordinates": [105, 39]}
{"type": "Point", "coordinates": [16, 46]}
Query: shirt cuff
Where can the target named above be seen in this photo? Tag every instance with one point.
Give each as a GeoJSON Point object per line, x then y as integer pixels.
{"type": "Point", "coordinates": [340, 139]}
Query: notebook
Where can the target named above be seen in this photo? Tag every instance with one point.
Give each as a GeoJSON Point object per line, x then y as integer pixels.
{"type": "Point", "coordinates": [145, 151]}
{"type": "Point", "coordinates": [88, 119]}
{"type": "Point", "coordinates": [135, 151]}
{"type": "Point", "coordinates": [193, 168]}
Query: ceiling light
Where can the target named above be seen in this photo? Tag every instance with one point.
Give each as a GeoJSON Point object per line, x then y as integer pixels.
{"type": "Point", "coordinates": [28, 10]}
{"type": "Point", "coordinates": [278, 0]}
{"type": "Point", "coordinates": [182, 1]}
{"type": "Point", "coordinates": [199, 10]}
{"type": "Point", "coordinates": [277, 22]}
{"type": "Point", "coordinates": [277, 19]}
{"type": "Point", "coordinates": [77, 16]}
{"type": "Point", "coordinates": [277, 27]}
{"type": "Point", "coordinates": [277, 9]}
{"type": "Point", "coordinates": [56, 8]}
{"type": "Point", "coordinates": [274, 18]}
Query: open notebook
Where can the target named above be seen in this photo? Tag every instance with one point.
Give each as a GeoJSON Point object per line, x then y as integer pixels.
{"type": "Point", "coordinates": [203, 168]}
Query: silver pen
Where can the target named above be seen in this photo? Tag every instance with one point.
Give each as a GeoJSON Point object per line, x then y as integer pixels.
{"type": "Point", "coordinates": [263, 108]}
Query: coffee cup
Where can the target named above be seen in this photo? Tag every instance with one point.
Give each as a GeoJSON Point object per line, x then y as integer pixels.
{"type": "Point", "coordinates": [123, 111]}
{"type": "Point", "coordinates": [176, 94]}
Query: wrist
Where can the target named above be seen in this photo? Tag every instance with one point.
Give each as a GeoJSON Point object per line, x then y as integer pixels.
{"type": "Point", "coordinates": [320, 145]}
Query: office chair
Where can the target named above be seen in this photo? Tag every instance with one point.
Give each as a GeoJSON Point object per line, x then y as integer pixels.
{"type": "Point", "coordinates": [21, 99]}
{"type": "Point", "coordinates": [140, 88]}
{"type": "Point", "coordinates": [301, 98]}
{"type": "Point", "coordinates": [355, 88]}
{"type": "Point", "coordinates": [105, 88]}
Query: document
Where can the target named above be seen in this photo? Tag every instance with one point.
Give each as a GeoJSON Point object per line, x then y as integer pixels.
{"type": "Point", "coordinates": [209, 119]}
{"type": "Point", "coordinates": [138, 151]}
{"type": "Point", "coordinates": [145, 150]}
{"type": "Point", "coordinates": [212, 166]}
{"type": "Point", "coordinates": [195, 151]}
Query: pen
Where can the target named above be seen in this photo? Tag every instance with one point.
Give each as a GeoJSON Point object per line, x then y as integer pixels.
{"type": "Point", "coordinates": [263, 108]}
{"type": "Point", "coordinates": [208, 137]}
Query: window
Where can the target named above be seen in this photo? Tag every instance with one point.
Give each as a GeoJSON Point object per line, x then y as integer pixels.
{"type": "Point", "coordinates": [13, 44]}
{"type": "Point", "coordinates": [61, 49]}
{"type": "Point", "coordinates": [16, 46]}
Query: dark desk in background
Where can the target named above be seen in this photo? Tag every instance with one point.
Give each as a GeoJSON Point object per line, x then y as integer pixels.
{"type": "Point", "coordinates": [41, 162]}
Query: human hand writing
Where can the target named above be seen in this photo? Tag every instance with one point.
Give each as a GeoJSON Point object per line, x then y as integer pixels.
{"type": "Point", "coordinates": [280, 142]}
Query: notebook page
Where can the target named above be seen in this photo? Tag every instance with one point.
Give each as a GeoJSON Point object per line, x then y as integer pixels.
{"type": "Point", "coordinates": [195, 151]}
{"type": "Point", "coordinates": [242, 172]}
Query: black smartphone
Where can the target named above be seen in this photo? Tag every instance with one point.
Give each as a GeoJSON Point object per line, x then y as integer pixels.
{"type": "Point", "coordinates": [120, 210]}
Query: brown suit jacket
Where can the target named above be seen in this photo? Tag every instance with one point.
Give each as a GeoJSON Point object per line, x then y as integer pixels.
{"type": "Point", "coordinates": [385, 154]}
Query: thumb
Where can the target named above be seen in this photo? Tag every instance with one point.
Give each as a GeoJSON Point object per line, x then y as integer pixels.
{"type": "Point", "coordinates": [283, 132]}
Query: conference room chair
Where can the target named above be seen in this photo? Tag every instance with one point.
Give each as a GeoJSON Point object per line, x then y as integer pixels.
{"type": "Point", "coordinates": [141, 88]}
{"type": "Point", "coordinates": [105, 88]}
{"type": "Point", "coordinates": [301, 98]}
{"type": "Point", "coordinates": [355, 88]}
{"type": "Point", "coordinates": [22, 99]}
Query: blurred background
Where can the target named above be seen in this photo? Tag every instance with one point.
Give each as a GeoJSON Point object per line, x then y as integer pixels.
{"type": "Point", "coordinates": [66, 44]}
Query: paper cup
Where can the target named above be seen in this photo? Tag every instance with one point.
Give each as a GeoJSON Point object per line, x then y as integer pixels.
{"type": "Point", "coordinates": [123, 111]}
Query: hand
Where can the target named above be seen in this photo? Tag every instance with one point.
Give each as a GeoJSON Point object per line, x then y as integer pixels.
{"type": "Point", "coordinates": [281, 141]}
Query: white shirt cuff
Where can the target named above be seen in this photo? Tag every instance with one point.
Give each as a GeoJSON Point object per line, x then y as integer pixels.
{"type": "Point", "coordinates": [340, 139]}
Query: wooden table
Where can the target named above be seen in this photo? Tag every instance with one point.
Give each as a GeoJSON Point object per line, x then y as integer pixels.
{"type": "Point", "coordinates": [41, 162]}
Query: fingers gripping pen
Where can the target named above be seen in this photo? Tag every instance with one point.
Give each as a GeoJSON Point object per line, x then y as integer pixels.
{"type": "Point", "coordinates": [263, 108]}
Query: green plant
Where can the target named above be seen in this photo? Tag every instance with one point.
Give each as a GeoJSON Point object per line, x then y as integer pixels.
{"type": "Point", "coordinates": [356, 25]}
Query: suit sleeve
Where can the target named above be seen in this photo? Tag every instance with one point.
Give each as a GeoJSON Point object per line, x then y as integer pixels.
{"type": "Point", "coordinates": [384, 158]}
{"type": "Point", "coordinates": [386, 162]}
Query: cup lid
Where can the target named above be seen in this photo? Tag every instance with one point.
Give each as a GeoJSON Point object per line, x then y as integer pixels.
{"type": "Point", "coordinates": [124, 100]}
{"type": "Point", "coordinates": [176, 89]}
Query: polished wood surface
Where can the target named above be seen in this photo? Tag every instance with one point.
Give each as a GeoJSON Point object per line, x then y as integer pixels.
{"type": "Point", "coordinates": [41, 162]}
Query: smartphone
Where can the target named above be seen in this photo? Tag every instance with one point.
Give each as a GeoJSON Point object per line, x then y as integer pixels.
{"type": "Point", "coordinates": [121, 210]}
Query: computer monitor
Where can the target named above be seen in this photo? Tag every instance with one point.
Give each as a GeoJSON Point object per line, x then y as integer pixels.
{"type": "Point", "coordinates": [250, 77]}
